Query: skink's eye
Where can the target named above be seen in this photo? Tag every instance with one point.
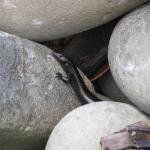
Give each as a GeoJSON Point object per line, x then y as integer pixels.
{"type": "Point", "coordinates": [62, 57]}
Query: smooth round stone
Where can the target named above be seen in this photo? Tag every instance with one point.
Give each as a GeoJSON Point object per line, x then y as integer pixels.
{"type": "Point", "coordinates": [51, 19]}
{"type": "Point", "coordinates": [110, 89]}
{"type": "Point", "coordinates": [32, 100]}
{"type": "Point", "coordinates": [83, 128]}
{"type": "Point", "coordinates": [129, 56]}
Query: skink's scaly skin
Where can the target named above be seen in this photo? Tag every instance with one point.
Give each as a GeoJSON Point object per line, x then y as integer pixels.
{"type": "Point", "coordinates": [74, 78]}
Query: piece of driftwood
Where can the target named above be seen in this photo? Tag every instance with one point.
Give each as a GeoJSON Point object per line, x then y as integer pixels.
{"type": "Point", "coordinates": [135, 136]}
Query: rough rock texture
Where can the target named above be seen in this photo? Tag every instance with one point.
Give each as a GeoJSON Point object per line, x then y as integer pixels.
{"type": "Point", "coordinates": [83, 128]}
{"type": "Point", "coordinates": [110, 89]}
{"type": "Point", "coordinates": [50, 19]}
{"type": "Point", "coordinates": [129, 56]}
{"type": "Point", "coordinates": [32, 100]}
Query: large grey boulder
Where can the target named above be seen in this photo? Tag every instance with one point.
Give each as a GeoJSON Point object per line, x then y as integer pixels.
{"type": "Point", "coordinates": [83, 128]}
{"type": "Point", "coordinates": [129, 56]}
{"type": "Point", "coordinates": [32, 100]}
{"type": "Point", "coordinates": [50, 19]}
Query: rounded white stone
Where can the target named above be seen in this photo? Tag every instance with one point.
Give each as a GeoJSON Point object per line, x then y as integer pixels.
{"type": "Point", "coordinates": [129, 56]}
{"type": "Point", "coordinates": [50, 19]}
{"type": "Point", "coordinates": [83, 128]}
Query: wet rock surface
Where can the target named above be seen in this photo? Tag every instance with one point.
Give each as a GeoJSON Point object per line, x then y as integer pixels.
{"type": "Point", "coordinates": [32, 100]}
{"type": "Point", "coordinates": [129, 52]}
{"type": "Point", "coordinates": [50, 19]}
{"type": "Point", "coordinates": [83, 128]}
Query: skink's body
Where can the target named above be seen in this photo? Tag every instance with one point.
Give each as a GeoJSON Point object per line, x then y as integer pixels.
{"type": "Point", "coordinates": [74, 78]}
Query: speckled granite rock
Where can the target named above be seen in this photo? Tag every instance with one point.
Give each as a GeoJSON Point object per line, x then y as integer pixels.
{"type": "Point", "coordinates": [50, 19]}
{"type": "Point", "coordinates": [83, 128]}
{"type": "Point", "coordinates": [129, 56]}
{"type": "Point", "coordinates": [32, 100]}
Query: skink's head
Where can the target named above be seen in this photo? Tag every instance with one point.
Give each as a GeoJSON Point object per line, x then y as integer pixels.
{"type": "Point", "coordinates": [64, 62]}
{"type": "Point", "coordinates": [61, 58]}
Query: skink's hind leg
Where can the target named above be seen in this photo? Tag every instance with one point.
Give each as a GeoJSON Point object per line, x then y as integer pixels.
{"type": "Point", "coordinates": [60, 76]}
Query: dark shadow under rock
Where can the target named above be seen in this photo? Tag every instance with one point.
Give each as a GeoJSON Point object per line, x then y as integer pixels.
{"type": "Point", "coordinates": [88, 50]}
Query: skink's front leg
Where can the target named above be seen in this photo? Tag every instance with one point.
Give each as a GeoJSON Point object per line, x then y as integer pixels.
{"type": "Point", "coordinates": [60, 76]}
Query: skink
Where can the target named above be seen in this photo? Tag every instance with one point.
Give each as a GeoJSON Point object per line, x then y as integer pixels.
{"type": "Point", "coordinates": [74, 78]}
